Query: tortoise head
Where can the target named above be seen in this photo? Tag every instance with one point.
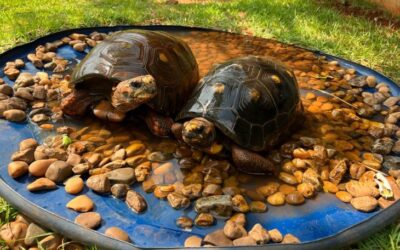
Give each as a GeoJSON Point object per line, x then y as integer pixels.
{"type": "Point", "coordinates": [129, 94]}
{"type": "Point", "coordinates": [199, 132]}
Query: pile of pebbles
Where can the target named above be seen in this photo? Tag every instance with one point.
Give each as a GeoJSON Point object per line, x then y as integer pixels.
{"type": "Point", "coordinates": [23, 233]}
{"type": "Point", "coordinates": [40, 94]}
{"type": "Point", "coordinates": [350, 133]}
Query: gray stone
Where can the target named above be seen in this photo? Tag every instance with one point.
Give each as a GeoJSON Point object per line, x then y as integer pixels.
{"type": "Point", "coordinates": [34, 233]}
{"type": "Point", "coordinates": [99, 183]}
{"type": "Point", "coordinates": [218, 204]}
{"type": "Point", "coordinates": [382, 146]}
{"type": "Point", "coordinates": [59, 171]}
{"type": "Point", "coordinates": [218, 238]}
{"type": "Point", "coordinates": [119, 190]}
{"type": "Point", "coordinates": [122, 175]}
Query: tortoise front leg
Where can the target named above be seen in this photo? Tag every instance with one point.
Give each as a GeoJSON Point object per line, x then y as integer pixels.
{"type": "Point", "coordinates": [251, 162]}
{"type": "Point", "coordinates": [77, 102]}
{"type": "Point", "coordinates": [158, 125]}
{"type": "Point", "coordinates": [105, 111]}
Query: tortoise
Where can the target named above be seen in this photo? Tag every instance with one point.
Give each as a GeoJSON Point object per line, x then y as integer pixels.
{"type": "Point", "coordinates": [132, 68]}
{"type": "Point", "coordinates": [253, 101]}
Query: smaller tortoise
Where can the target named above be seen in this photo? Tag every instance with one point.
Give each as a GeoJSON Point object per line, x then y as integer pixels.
{"type": "Point", "coordinates": [132, 68]}
{"type": "Point", "coordinates": [252, 101]}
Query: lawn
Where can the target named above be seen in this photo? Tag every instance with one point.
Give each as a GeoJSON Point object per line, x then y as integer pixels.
{"type": "Point", "coordinates": [308, 23]}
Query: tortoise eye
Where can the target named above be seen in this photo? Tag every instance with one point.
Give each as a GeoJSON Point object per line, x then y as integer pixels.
{"type": "Point", "coordinates": [136, 85]}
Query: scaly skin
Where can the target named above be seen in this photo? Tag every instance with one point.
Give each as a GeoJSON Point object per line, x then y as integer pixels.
{"type": "Point", "coordinates": [159, 125]}
{"type": "Point", "coordinates": [131, 93]}
{"type": "Point", "coordinates": [200, 133]}
{"type": "Point", "coordinates": [77, 102]}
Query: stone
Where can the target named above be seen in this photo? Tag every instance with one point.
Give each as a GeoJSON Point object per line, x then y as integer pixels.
{"type": "Point", "coordinates": [268, 189]}
{"type": "Point", "coordinates": [51, 242]}
{"type": "Point", "coordinates": [233, 230]}
{"type": "Point", "coordinates": [28, 144]}
{"type": "Point", "coordinates": [120, 154]}
{"type": "Point", "coordinates": [115, 164]}
{"type": "Point", "coordinates": [364, 203]}
{"type": "Point", "coordinates": [81, 203]}
{"type": "Point", "coordinates": [391, 101]}
{"type": "Point", "coordinates": [344, 196]}
{"type": "Point", "coordinates": [34, 233]}
{"type": "Point", "coordinates": [184, 222]}
{"type": "Point", "coordinates": [119, 190]}
{"type": "Point", "coordinates": [277, 199]}
{"type": "Point", "coordinates": [382, 146]}
{"type": "Point", "coordinates": [245, 241]}
{"type": "Point", "coordinates": [79, 47]}
{"type": "Point", "coordinates": [136, 201]}
{"type": "Point", "coordinates": [259, 234]}
{"type": "Point", "coordinates": [177, 200]}
{"type": "Point", "coordinates": [396, 147]}
{"type": "Point", "coordinates": [240, 204]}
{"type": "Point", "coordinates": [122, 175]}
{"type": "Point", "coordinates": [219, 204]}
{"type": "Point", "coordinates": [58, 171]}
{"type": "Point", "coordinates": [39, 92]}
{"type": "Point", "coordinates": [41, 184]}
{"type": "Point", "coordinates": [74, 185]}
{"type": "Point", "coordinates": [193, 241]}
{"type": "Point", "coordinates": [11, 72]}
{"type": "Point", "coordinates": [81, 168]}
{"type": "Point", "coordinates": [338, 171]}
{"type": "Point", "coordinates": [38, 168]}
{"type": "Point", "coordinates": [17, 169]}
{"type": "Point", "coordinates": [26, 155]}
{"type": "Point", "coordinates": [238, 218]}
{"type": "Point", "coordinates": [14, 115]}
{"type": "Point", "coordinates": [6, 90]}
{"type": "Point", "coordinates": [192, 191]}
{"type": "Point", "coordinates": [159, 156]}
{"type": "Point", "coordinates": [117, 233]}
{"type": "Point", "coordinates": [94, 159]}
{"type": "Point", "coordinates": [218, 238]}
{"type": "Point", "coordinates": [391, 162]}
{"type": "Point", "coordinates": [24, 93]}
{"type": "Point", "coordinates": [13, 233]}
{"type": "Point", "coordinates": [204, 220]}
{"type": "Point", "coordinates": [258, 207]}
{"type": "Point", "coordinates": [25, 79]}
{"type": "Point", "coordinates": [312, 177]}
{"type": "Point", "coordinates": [358, 189]}
{"type": "Point", "coordinates": [275, 235]}
{"type": "Point", "coordinates": [74, 159]}
{"type": "Point", "coordinates": [135, 149]}
{"type": "Point", "coordinates": [90, 220]}
{"type": "Point", "coordinates": [99, 183]}
{"type": "Point", "coordinates": [290, 239]}
{"type": "Point", "coordinates": [22, 218]}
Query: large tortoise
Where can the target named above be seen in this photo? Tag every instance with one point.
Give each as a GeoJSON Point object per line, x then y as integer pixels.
{"type": "Point", "coordinates": [253, 101]}
{"type": "Point", "coordinates": [132, 68]}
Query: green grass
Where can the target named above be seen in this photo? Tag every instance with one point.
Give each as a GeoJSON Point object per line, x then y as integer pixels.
{"type": "Point", "coordinates": [303, 22]}
{"type": "Point", "coordinates": [296, 21]}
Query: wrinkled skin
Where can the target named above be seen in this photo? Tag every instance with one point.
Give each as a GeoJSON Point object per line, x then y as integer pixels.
{"type": "Point", "coordinates": [201, 134]}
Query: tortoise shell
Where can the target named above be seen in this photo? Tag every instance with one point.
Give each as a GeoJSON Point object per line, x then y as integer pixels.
{"type": "Point", "coordinates": [132, 53]}
{"type": "Point", "coordinates": [252, 100]}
